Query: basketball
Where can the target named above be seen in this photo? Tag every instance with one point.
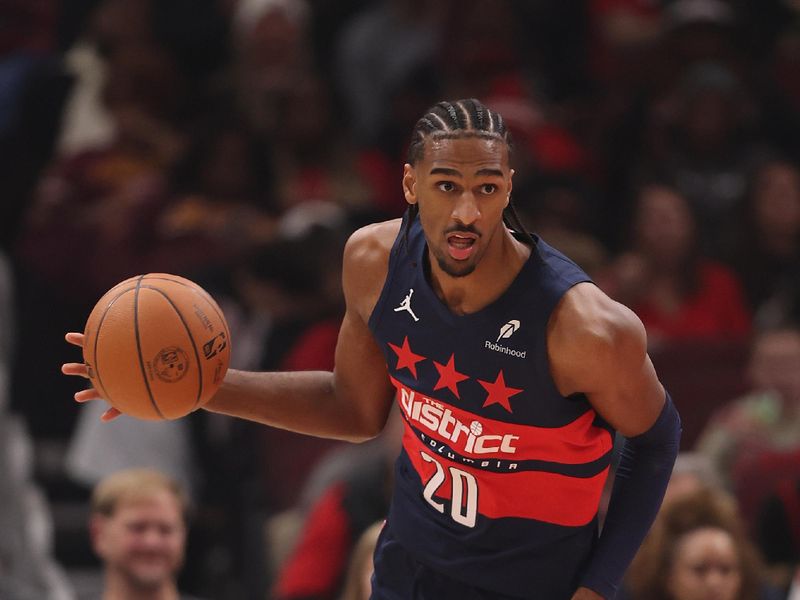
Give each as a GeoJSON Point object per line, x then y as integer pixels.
{"type": "Point", "coordinates": [156, 346]}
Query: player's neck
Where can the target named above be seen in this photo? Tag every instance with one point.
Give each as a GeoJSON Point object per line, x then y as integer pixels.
{"type": "Point", "coordinates": [492, 276]}
{"type": "Point", "coordinates": [117, 587]}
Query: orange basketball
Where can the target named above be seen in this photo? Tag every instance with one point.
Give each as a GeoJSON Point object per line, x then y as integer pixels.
{"type": "Point", "coordinates": [157, 346]}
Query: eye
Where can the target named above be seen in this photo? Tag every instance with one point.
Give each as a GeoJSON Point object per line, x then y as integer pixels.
{"type": "Point", "coordinates": [137, 527]}
{"type": "Point", "coordinates": [488, 189]}
{"type": "Point", "coordinates": [446, 186]}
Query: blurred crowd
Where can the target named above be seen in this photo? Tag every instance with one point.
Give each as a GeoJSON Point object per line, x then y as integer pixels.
{"type": "Point", "coordinates": [239, 142]}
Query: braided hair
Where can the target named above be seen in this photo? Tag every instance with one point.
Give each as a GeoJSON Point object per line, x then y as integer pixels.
{"type": "Point", "coordinates": [461, 119]}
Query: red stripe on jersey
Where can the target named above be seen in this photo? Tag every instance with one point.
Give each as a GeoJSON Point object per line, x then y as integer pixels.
{"type": "Point", "coordinates": [476, 436]}
{"type": "Point", "coordinates": [549, 497]}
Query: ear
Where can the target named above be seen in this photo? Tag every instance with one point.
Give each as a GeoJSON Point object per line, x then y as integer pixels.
{"type": "Point", "coordinates": [510, 186]}
{"type": "Point", "coordinates": [409, 184]}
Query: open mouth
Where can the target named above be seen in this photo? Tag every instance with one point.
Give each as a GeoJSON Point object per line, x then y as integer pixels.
{"type": "Point", "coordinates": [461, 245]}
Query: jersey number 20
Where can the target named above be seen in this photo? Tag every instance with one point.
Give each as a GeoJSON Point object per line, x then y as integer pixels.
{"type": "Point", "coordinates": [464, 499]}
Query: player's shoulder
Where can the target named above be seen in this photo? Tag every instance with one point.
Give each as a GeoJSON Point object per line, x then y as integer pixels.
{"type": "Point", "coordinates": [372, 243]}
{"type": "Point", "coordinates": [366, 263]}
{"type": "Point", "coordinates": [589, 321]}
{"type": "Point", "coordinates": [592, 338]}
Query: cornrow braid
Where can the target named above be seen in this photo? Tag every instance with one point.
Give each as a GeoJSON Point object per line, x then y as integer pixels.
{"type": "Point", "coordinates": [460, 118]}
{"type": "Point", "coordinates": [455, 119]}
{"type": "Point", "coordinates": [513, 222]}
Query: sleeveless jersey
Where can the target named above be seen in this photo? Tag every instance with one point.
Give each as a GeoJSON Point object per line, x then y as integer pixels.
{"type": "Point", "coordinates": [499, 478]}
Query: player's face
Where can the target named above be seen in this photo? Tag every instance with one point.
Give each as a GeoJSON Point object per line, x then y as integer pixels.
{"type": "Point", "coordinates": [143, 541]}
{"type": "Point", "coordinates": [705, 567]}
{"type": "Point", "coordinates": [461, 186]}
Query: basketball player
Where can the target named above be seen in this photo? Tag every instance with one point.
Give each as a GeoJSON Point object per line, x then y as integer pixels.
{"type": "Point", "coordinates": [138, 530]}
{"type": "Point", "coordinates": [512, 371]}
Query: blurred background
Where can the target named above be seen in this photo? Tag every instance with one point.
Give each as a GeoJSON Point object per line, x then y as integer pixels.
{"type": "Point", "coordinates": [239, 142]}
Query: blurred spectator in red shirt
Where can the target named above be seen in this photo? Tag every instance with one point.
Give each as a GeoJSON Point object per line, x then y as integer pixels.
{"type": "Point", "coordinates": [663, 277]}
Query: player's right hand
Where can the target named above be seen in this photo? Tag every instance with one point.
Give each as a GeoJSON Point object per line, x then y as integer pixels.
{"type": "Point", "coordinates": [80, 370]}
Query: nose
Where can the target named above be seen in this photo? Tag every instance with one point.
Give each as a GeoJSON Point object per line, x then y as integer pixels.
{"type": "Point", "coordinates": [466, 209]}
{"type": "Point", "coordinates": [151, 538]}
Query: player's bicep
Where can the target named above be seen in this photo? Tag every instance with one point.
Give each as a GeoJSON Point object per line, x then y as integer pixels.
{"type": "Point", "coordinates": [623, 386]}
{"type": "Point", "coordinates": [631, 408]}
{"type": "Point", "coordinates": [361, 375]}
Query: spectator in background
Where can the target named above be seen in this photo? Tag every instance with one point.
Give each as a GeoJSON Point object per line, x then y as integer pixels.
{"type": "Point", "coordinates": [312, 157]}
{"type": "Point", "coordinates": [766, 253]}
{"type": "Point", "coordinates": [83, 230]}
{"type": "Point", "coordinates": [282, 306]}
{"type": "Point", "coordinates": [697, 548]}
{"type": "Point", "coordinates": [704, 141]}
{"type": "Point", "coordinates": [701, 30]}
{"type": "Point", "coordinates": [113, 25]}
{"type": "Point", "coordinates": [286, 286]}
{"type": "Point", "coordinates": [755, 440]}
{"type": "Point", "coordinates": [293, 288]}
{"type": "Point", "coordinates": [677, 292]}
{"type": "Point", "coordinates": [195, 42]}
{"type": "Point", "coordinates": [559, 209]}
{"type": "Point", "coordinates": [346, 495]}
{"type": "Point", "coordinates": [271, 52]}
{"type": "Point", "coordinates": [620, 33]}
{"type": "Point", "coordinates": [218, 205]}
{"type": "Point", "coordinates": [138, 529]}
{"type": "Point", "coordinates": [478, 53]}
{"type": "Point", "coordinates": [380, 47]}
{"type": "Point", "coordinates": [93, 201]}
{"type": "Point", "coordinates": [692, 472]}
{"type": "Point", "coordinates": [357, 585]}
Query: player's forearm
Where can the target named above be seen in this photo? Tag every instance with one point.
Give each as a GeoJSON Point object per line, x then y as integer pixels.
{"type": "Point", "coordinates": [304, 401]}
{"type": "Point", "coordinates": [642, 476]}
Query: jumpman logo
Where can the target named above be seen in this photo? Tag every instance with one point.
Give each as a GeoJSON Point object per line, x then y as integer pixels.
{"type": "Point", "coordinates": [406, 305]}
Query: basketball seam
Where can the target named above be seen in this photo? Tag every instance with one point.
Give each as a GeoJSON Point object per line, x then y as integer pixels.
{"type": "Point", "coordinates": [139, 346]}
{"type": "Point", "coordinates": [104, 391]}
{"type": "Point", "coordinates": [211, 302]}
{"type": "Point", "coordinates": [191, 338]}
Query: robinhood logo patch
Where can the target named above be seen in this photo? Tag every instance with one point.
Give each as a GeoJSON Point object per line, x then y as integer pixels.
{"type": "Point", "coordinates": [507, 330]}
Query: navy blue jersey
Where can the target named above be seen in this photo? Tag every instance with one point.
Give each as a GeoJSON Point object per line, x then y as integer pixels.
{"type": "Point", "coordinates": [500, 476]}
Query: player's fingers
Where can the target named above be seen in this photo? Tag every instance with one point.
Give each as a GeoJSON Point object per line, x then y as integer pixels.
{"type": "Point", "coordinates": [110, 414]}
{"type": "Point", "coordinates": [78, 369]}
{"type": "Point", "coordinates": [74, 338]}
{"type": "Point", "coordinates": [86, 395]}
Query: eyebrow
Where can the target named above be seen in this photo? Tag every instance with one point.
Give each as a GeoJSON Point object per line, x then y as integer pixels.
{"type": "Point", "coordinates": [456, 173]}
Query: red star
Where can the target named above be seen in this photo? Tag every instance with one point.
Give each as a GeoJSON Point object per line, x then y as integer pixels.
{"type": "Point", "coordinates": [448, 376]}
{"type": "Point", "coordinates": [498, 392]}
{"type": "Point", "coordinates": [406, 358]}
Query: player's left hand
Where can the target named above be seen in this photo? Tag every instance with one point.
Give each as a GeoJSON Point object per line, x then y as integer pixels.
{"type": "Point", "coordinates": [80, 370]}
{"type": "Point", "coordinates": [586, 594]}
